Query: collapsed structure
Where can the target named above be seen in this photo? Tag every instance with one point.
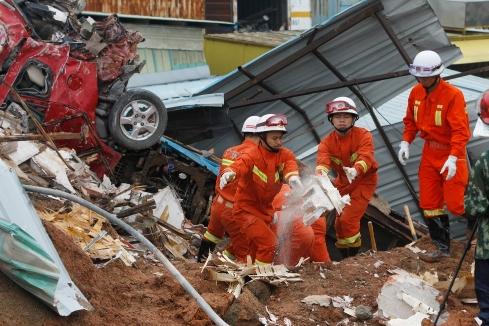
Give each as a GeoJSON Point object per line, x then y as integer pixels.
{"type": "Point", "coordinates": [299, 75]}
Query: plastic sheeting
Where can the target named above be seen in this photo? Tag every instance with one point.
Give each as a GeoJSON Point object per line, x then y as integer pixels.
{"type": "Point", "coordinates": [27, 255]}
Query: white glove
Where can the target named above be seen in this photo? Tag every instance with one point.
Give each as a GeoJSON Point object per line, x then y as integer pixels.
{"type": "Point", "coordinates": [295, 182]}
{"type": "Point", "coordinates": [403, 152]}
{"type": "Point", "coordinates": [451, 165]}
{"type": "Point", "coordinates": [351, 173]}
{"type": "Point", "coordinates": [226, 178]}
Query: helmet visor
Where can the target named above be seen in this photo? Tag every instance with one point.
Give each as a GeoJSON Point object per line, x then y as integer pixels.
{"type": "Point", "coordinates": [338, 106]}
{"type": "Point", "coordinates": [420, 70]}
{"type": "Point", "coordinates": [274, 121]}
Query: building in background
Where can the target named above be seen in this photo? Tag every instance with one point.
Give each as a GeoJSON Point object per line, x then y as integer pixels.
{"type": "Point", "coordinates": [173, 30]}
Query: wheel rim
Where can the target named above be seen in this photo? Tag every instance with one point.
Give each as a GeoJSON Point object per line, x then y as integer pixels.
{"type": "Point", "coordinates": [139, 120]}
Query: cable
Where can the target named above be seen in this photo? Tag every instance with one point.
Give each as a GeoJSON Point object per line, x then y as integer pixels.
{"type": "Point", "coordinates": [158, 254]}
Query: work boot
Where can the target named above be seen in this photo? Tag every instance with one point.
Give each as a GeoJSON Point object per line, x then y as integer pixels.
{"type": "Point", "coordinates": [353, 251]}
{"type": "Point", "coordinates": [439, 228]}
{"type": "Point", "coordinates": [344, 252]}
{"type": "Point", "coordinates": [206, 246]}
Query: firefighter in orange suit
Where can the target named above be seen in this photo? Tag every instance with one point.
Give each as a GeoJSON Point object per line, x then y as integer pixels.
{"type": "Point", "coordinates": [437, 111]}
{"type": "Point", "coordinates": [260, 172]}
{"type": "Point", "coordinates": [299, 240]}
{"type": "Point", "coordinates": [221, 221]}
{"type": "Point", "coordinates": [349, 152]}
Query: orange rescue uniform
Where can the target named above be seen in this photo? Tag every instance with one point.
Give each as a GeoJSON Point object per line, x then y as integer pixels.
{"type": "Point", "coordinates": [441, 118]}
{"type": "Point", "coordinates": [296, 239]}
{"type": "Point", "coordinates": [221, 215]}
{"type": "Point", "coordinates": [260, 174]}
{"type": "Point", "coordinates": [355, 149]}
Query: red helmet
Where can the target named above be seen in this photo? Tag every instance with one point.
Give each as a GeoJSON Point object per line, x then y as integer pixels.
{"type": "Point", "coordinates": [484, 107]}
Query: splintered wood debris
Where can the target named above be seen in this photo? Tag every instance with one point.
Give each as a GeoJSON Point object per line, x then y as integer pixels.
{"type": "Point", "coordinates": [85, 227]}
{"type": "Point", "coordinates": [220, 268]}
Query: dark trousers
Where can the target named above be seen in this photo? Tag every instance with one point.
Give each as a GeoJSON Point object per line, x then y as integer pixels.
{"type": "Point", "coordinates": [482, 288]}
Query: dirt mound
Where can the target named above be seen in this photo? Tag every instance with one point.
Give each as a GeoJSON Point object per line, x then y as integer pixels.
{"type": "Point", "coordinates": [359, 278]}
{"type": "Point", "coordinates": [141, 295]}
{"type": "Point", "coordinates": [147, 295]}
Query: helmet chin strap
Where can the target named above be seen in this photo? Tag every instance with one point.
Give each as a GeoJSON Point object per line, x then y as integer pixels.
{"type": "Point", "coordinates": [343, 130]}
{"type": "Point", "coordinates": [263, 138]}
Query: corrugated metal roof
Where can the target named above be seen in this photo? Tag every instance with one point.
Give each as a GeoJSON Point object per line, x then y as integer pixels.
{"type": "Point", "coordinates": [354, 43]}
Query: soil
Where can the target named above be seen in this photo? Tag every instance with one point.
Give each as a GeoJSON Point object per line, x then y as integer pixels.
{"type": "Point", "coordinates": [146, 294]}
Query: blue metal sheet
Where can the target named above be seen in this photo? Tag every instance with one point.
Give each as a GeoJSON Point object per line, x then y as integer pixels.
{"type": "Point", "coordinates": [197, 158]}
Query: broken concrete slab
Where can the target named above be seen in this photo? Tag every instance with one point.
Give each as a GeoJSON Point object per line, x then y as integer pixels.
{"type": "Point", "coordinates": [404, 295]}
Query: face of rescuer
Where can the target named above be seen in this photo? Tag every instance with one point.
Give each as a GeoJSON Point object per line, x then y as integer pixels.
{"type": "Point", "coordinates": [342, 121]}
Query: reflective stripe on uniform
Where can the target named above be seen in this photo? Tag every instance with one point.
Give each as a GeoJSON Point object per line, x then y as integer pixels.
{"type": "Point", "coordinates": [353, 157]}
{"type": "Point", "coordinates": [291, 174]}
{"type": "Point", "coordinates": [416, 106]}
{"type": "Point", "coordinates": [322, 168]}
{"type": "Point", "coordinates": [364, 165]}
{"type": "Point", "coordinates": [277, 177]}
{"type": "Point", "coordinates": [263, 177]}
{"type": "Point", "coordinates": [211, 237]}
{"type": "Point", "coordinates": [226, 162]}
{"type": "Point", "coordinates": [350, 242]}
{"type": "Point", "coordinates": [229, 255]}
{"type": "Point", "coordinates": [438, 118]}
{"type": "Point", "coordinates": [434, 212]}
{"type": "Point", "coordinates": [336, 160]}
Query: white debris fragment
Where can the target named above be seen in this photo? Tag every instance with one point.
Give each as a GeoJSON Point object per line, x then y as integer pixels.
{"type": "Point", "coordinates": [321, 300]}
{"type": "Point", "coordinates": [342, 302]}
{"type": "Point", "coordinates": [404, 295]}
{"type": "Point", "coordinates": [287, 322]}
{"type": "Point", "coordinates": [25, 151]}
{"type": "Point", "coordinates": [411, 246]}
{"type": "Point", "coordinates": [378, 263]}
{"type": "Point", "coordinates": [415, 319]}
{"type": "Point", "coordinates": [168, 207]}
{"type": "Point", "coordinates": [430, 278]}
{"type": "Point", "coordinates": [49, 161]}
{"type": "Point", "coordinates": [271, 316]}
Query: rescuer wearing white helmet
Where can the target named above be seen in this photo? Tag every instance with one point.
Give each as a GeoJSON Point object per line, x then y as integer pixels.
{"type": "Point", "coordinates": [259, 173]}
{"type": "Point", "coordinates": [437, 110]}
{"type": "Point", "coordinates": [348, 151]}
{"type": "Point", "coordinates": [477, 209]}
{"type": "Point", "coordinates": [221, 214]}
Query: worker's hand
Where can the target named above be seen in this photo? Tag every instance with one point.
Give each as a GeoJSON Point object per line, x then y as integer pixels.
{"type": "Point", "coordinates": [451, 166]}
{"type": "Point", "coordinates": [403, 152]}
{"type": "Point", "coordinates": [226, 178]}
{"type": "Point", "coordinates": [295, 182]}
{"type": "Point", "coordinates": [351, 173]}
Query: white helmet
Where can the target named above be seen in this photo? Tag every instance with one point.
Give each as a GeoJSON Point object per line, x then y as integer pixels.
{"type": "Point", "coordinates": [249, 126]}
{"type": "Point", "coordinates": [341, 104]}
{"type": "Point", "coordinates": [426, 64]}
{"type": "Point", "coordinates": [271, 122]}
